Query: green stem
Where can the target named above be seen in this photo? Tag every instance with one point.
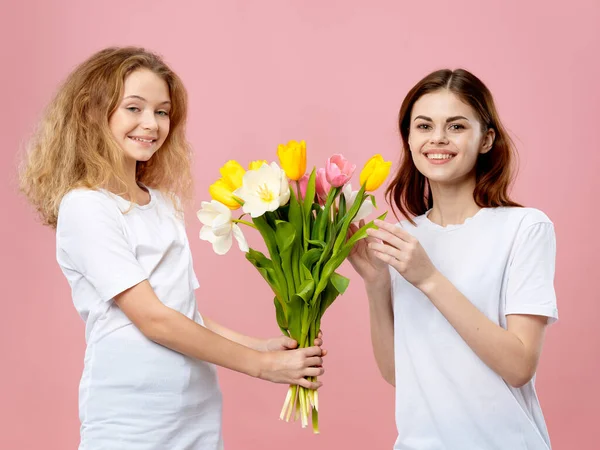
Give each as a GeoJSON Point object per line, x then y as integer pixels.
{"type": "Point", "coordinates": [250, 224]}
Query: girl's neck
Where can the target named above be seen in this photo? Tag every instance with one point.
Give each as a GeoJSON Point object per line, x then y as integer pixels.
{"type": "Point", "coordinates": [452, 204]}
{"type": "Point", "coordinates": [134, 192]}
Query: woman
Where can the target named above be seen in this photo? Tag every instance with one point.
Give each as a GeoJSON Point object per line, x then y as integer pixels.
{"type": "Point", "coordinates": [458, 320]}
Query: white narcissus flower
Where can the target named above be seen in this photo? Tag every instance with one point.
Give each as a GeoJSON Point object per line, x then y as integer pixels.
{"type": "Point", "coordinates": [365, 209]}
{"type": "Point", "coordinates": [264, 189]}
{"type": "Point", "coordinates": [218, 227]}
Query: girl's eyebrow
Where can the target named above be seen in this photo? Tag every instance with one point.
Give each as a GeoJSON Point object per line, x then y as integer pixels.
{"type": "Point", "coordinates": [144, 100]}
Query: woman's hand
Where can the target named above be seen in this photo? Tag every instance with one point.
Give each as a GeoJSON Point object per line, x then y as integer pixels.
{"type": "Point", "coordinates": [403, 252]}
{"type": "Point", "coordinates": [364, 260]}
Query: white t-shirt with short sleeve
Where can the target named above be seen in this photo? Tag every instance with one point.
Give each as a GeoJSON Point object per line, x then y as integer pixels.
{"type": "Point", "coordinates": [134, 393]}
{"type": "Point", "coordinates": [447, 398]}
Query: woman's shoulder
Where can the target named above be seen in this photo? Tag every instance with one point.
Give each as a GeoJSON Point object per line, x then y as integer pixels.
{"type": "Point", "coordinates": [524, 216]}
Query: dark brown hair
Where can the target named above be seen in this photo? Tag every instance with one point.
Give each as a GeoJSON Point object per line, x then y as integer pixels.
{"type": "Point", "coordinates": [409, 190]}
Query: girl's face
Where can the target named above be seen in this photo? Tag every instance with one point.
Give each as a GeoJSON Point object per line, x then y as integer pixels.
{"type": "Point", "coordinates": [140, 124]}
{"type": "Point", "coordinates": [446, 137]}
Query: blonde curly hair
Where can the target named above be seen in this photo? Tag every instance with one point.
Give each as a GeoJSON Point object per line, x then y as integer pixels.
{"type": "Point", "coordinates": [73, 146]}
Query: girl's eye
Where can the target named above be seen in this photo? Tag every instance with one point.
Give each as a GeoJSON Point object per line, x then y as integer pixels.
{"type": "Point", "coordinates": [133, 109]}
{"type": "Point", "coordinates": [423, 126]}
{"type": "Point", "coordinates": [457, 126]}
{"type": "Point", "coordinates": [163, 113]}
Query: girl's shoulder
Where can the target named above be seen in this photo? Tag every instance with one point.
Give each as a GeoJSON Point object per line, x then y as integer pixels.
{"type": "Point", "coordinates": [82, 194]}
{"type": "Point", "coordinates": [86, 205]}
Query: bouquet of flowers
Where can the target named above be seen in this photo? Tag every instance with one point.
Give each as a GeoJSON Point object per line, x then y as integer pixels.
{"type": "Point", "coordinates": [304, 221]}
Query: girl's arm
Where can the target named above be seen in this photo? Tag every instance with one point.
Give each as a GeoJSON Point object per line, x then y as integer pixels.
{"type": "Point", "coordinates": [174, 330]}
{"type": "Point", "coordinates": [247, 341]}
{"type": "Point", "coordinates": [261, 345]}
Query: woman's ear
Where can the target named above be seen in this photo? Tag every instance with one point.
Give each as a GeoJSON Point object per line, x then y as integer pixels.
{"type": "Point", "coordinates": [488, 140]}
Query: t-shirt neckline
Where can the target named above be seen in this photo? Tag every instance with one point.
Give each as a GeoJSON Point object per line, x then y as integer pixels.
{"type": "Point", "coordinates": [452, 227]}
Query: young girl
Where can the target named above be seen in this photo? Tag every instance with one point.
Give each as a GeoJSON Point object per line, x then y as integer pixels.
{"type": "Point", "coordinates": [458, 320]}
{"type": "Point", "coordinates": [106, 169]}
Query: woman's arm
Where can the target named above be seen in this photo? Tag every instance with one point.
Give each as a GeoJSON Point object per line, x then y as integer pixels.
{"type": "Point", "coordinates": [382, 327]}
{"type": "Point", "coordinates": [512, 353]}
{"type": "Point", "coordinates": [174, 330]}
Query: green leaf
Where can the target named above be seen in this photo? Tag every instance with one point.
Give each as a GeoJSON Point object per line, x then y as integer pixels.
{"type": "Point", "coordinates": [285, 233]}
{"type": "Point", "coordinates": [309, 259]}
{"type": "Point", "coordinates": [361, 233]}
{"type": "Point", "coordinates": [317, 243]}
{"type": "Point", "coordinates": [268, 235]}
{"type": "Point", "coordinates": [281, 317]}
{"type": "Point", "coordinates": [373, 200]}
{"type": "Point", "coordinates": [309, 197]}
{"type": "Point", "coordinates": [342, 207]}
{"type": "Point", "coordinates": [295, 214]}
{"type": "Point", "coordinates": [327, 298]}
{"type": "Point", "coordinates": [339, 282]}
{"type": "Point", "coordinates": [265, 268]}
{"type": "Point", "coordinates": [348, 219]}
{"type": "Point", "coordinates": [306, 290]}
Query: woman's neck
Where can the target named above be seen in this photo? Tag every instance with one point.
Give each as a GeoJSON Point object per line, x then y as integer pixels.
{"type": "Point", "coordinates": [452, 204]}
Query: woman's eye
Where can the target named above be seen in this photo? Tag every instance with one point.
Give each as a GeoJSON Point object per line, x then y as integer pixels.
{"type": "Point", "coordinates": [133, 109]}
{"type": "Point", "coordinates": [163, 113]}
{"type": "Point", "coordinates": [457, 126]}
{"type": "Point", "coordinates": [423, 126]}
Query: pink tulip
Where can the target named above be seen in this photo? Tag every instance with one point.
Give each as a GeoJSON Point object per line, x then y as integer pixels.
{"type": "Point", "coordinates": [322, 186]}
{"type": "Point", "coordinates": [303, 182]}
{"type": "Point", "coordinates": [339, 170]}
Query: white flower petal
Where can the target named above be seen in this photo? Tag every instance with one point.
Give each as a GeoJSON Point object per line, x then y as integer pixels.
{"type": "Point", "coordinates": [239, 237]}
{"type": "Point", "coordinates": [211, 211]}
{"type": "Point", "coordinates": [365, 210]}
{"type": "Point", "coordinates": [206, 234]}
{"type": "Point", "coordinates": [222, 230]}
{"type": "Point", "coordinates": [222, 244]}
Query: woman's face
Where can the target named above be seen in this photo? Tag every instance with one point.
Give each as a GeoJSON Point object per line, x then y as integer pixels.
{"type": "Point", "coordinates": [446, 138]}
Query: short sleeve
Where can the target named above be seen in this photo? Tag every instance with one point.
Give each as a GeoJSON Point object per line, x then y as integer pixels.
{"type": "Point", "coordinates": [530, 285]}
{"type": "Point", "coordinates": [91, 237]}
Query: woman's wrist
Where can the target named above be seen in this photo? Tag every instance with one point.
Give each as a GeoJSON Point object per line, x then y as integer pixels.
{"type": "Point", "coordinates": [431, 284]}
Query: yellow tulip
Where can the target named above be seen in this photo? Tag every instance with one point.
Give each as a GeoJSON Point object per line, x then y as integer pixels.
{"type": "Point", "coordinates": [375, 172]}
{"type": "Point", "coordinates": [293, 159]}
{"type": "Point", "coordinates": [255, 165]}
{"type": "Point", "coordinates": [232, 173]}
{"type": "Point", "coordinates": [221, 191]}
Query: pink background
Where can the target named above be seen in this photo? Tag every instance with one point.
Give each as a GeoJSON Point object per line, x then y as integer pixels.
{"type": "Point", "coordinates": [333, 73]}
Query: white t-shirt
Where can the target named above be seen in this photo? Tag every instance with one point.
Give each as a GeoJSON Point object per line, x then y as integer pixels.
{"type": "Point", "coordinates": [447, 398]}
{"type": "Point", "coordinates": [134, 394]}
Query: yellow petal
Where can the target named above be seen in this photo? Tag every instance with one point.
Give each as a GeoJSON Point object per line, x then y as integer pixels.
{"type": "Point", "coordinates": [292, 157]}
{"type": "Point", "coordinates": [255, 165]}
{"type": "Point", "coordinates": [232, 173]}
{"type": "Point", "coordinates": [221, 191]}
{"type": "Point", "coordinates": [375, 172]}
